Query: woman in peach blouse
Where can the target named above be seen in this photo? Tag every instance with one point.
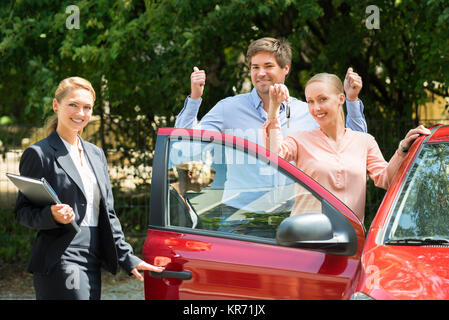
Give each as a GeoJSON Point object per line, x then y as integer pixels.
{"type": "Point", "coordinates": [335, 156]}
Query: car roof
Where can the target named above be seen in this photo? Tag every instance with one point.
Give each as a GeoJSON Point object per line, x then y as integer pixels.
{"type": "Point", "coordinates": [440, 135]}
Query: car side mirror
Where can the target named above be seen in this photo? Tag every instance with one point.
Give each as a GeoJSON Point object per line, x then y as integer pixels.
{"type": "Point", "coordinates": [328, 232]}
{"type": "Point", "coordinates": [304, 227]}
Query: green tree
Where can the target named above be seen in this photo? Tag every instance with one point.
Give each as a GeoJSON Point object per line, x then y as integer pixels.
{"type": "Point", "coordinates": [139, 56]}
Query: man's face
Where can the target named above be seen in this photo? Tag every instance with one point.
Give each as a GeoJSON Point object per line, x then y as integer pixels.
{"type": "Point", "coordinates": [265, 71]}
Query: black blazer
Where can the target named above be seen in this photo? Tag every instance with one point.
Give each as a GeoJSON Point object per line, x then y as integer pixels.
{"type": "Point", "coordinates": [49, 158]}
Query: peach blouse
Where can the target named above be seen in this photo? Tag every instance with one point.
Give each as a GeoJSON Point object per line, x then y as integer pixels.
{"type": "Point", "coordinates": [340, 167]}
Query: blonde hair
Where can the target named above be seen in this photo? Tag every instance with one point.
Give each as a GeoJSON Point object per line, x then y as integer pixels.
{"type": "Point", "coordinates": [334, 81]}
{"type": "Point", "coordinates": [201, 172]}
{"type": "Point", "coordinates": [280, 48]}
{"type": "Point", "coordinates": [64, 87]}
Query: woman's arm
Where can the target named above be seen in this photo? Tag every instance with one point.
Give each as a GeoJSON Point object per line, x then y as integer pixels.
{"type": "Point", "coordinates": [286, 148]}
{"type": "Point", "coordinates": [126, 258]}
{"type": "Point", "coordinates": [26, 213]}
{"type": "Point", "coordinates": [379, 170]}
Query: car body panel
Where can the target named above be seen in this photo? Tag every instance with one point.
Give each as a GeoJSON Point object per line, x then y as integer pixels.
{"type": "Point", "coordinates": [233, 269]}
{"type": "Point", "coordinates": [239, 267]}
{"type": "Point", "coordinates": [404, 271]}
{"type": "Point", "coordinates": [243, 268]}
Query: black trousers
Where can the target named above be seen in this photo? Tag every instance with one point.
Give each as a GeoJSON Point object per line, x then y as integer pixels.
{"type": "Point", "coordinates": [78, 275]}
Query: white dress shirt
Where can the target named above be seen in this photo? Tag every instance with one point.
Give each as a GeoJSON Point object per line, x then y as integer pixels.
{"type": "Point", "coordinates": [90, 184]}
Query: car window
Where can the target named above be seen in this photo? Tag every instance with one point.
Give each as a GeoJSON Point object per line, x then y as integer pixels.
{"type": "Point", "coordinates": [221, 189]}
{"type": "Point", "coordinates": [422, 207]}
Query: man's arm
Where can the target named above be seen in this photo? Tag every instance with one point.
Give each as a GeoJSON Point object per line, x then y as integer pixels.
{"type": "Point", "coordinates": [187, 118]}
{"type": "Point", "coordinates": [355, 119]}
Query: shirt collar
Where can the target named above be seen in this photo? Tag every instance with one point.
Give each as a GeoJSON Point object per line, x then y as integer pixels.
{"type": "Point", "coordinates": [77, 146]}
{"type": "Point", "coordinates": [257, 101]}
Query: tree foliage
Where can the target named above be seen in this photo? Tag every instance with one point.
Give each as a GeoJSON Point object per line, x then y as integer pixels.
{"type": "Point", "coordinates": [139, 54]}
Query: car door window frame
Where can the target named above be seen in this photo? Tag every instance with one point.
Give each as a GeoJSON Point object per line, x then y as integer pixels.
{"type": "Point", "coordinates": [160, 179]}
{"type": "Point", "coordinates": [382, 235]}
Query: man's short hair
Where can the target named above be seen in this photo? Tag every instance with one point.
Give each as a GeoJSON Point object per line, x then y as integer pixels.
{"type": "Point", "coordinates": [280, 48]}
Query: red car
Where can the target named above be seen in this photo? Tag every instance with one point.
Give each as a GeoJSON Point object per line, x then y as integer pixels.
{"type": "Point", "coordinates": [221, 224]}
{"type": "Point", "coordinates": [406, 253]}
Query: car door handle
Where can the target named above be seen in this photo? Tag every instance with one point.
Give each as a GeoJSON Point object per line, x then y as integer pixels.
{"type": "Point", "coordinates": [183, 275]}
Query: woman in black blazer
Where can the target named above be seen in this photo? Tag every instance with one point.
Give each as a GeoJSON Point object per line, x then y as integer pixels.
{"type": "Point", "coordinates": [66, 264]}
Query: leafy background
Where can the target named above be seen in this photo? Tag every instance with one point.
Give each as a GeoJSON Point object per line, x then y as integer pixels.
{"type": "Point", "coordinates": [139, 56]}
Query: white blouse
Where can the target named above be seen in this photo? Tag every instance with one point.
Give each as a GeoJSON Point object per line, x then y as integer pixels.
{"type": "Point", "coordinates": [90, 184]}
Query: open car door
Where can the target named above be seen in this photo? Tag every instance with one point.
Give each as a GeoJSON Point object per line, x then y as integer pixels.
{"type": "Point", "coordinates": [230, 220]}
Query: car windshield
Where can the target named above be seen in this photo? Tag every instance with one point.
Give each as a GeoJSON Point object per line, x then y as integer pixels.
{"type": "Point", "coordinates": [422, 210]}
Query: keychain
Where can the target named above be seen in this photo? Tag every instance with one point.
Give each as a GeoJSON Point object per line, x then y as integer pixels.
{"type": "Point", "coordinates": [287, 113]}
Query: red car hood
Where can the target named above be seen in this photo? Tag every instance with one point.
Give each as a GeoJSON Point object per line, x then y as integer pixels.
{"type": "Point", "coordinates": [406, 272]}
